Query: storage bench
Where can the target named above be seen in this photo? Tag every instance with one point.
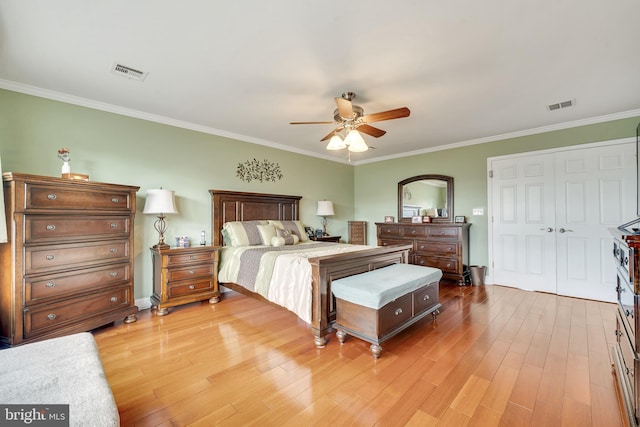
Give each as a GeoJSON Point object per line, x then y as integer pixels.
{"type": "Point", "coordinates": [59, 371]}
{"type": "Point", "coordinates": [378, 304]}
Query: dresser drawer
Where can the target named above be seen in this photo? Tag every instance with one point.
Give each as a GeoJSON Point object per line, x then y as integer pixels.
{"type": "Point", "coordinates": [447, 265]}
{"type": "Point", "coordinates": [190, 258]}
{"type": "Point", "coordinates": [50, 287]}
{"type": "Point", "coordinates": [430, 247]}
{"type": "Point", "coordinates": [413, 231]}
{"type": "Point", "coordinates": [54, 257]}
{"type": "Point", "coordinates": [38, 320]}
{"type": "Point", "coordinates": [425, 298]}
{"type": "Point", "coordinates": [389, 230]}
{"type": "Point", "coordinates": [44, 228]}
{"type": "Point", "coordinates": [390, 242]}
{"type": "Point", "coordinates": [443, 232]}
{"type": "Point", "coordinates": [190, 272]}
{"type": "Point", "coordinates": [395, 314]}
{"type": "Point", "coordinates": [40, 196]}
{"type": "Point", "coordinates": [189, 288]}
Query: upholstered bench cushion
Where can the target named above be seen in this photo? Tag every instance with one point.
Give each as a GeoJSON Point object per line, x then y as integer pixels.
{"type": "Point", "coordinates": [65, 370]}
{"type": "Point", "coordinates": [376, 288]}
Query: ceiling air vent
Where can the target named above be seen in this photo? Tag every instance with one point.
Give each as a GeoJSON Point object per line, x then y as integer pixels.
{"type": "Point", "coordinates": [128, 72]}
{"type": "Point", "coordinates": [559, 105]}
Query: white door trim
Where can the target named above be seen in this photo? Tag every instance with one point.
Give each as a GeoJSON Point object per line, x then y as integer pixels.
{"type": "Point", "coordinates": [490, 278]}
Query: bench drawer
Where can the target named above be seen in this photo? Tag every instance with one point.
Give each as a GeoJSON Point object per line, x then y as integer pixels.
{"type": "Point", "coordinates": [394, 314]}
{"type": "Point", "coordinates": [425, 298]}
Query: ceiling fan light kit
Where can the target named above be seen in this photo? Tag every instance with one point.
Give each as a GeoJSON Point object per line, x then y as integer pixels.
{"type": "Point", "coordinates": [353, 121]}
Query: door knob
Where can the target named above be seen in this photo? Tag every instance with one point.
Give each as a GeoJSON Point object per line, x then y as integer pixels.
{"type": "Point", "coordinates": [562, 230]}
{"type": "Point", "coordinates": [548, 229]}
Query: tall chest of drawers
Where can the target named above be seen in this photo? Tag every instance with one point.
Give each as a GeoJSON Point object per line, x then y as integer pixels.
{"type": "Point", "coordinates": [440, 245]}
{"type": "Point", "coordinates": [68, 265]}
{"type": "Point", "coordinates": [625, 352]}
{"type": "Point", "coordinates": [358, 232]}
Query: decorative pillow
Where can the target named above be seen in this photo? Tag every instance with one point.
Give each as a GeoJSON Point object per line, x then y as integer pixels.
{"type": "Point", "coordinates": [295, 227]}
{"type": "Point", "coordinates": [285, 235]}
{"type": "Point", "coordinates": [267, 232]}
{"type": "Point", "coordinates": [280, 241]}
{"type": "Point", "coordinates": [244, 233]}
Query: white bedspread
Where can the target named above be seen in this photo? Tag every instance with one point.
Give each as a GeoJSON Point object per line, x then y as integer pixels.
{"type": "Point", "coordinates": [284, 277]}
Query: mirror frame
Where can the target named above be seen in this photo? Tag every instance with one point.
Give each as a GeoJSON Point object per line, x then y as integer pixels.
{"type": "Point", "coordinates": [449, 181]}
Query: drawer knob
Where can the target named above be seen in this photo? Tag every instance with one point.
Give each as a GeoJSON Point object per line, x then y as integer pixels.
{"type": "Point", "coordinates": [113, 225]}
{"type": "Point", "coordinates": [426, 298]}
{"type": "Point", "coordinates": [51, 196]}
{"type": "Point", "coordinates": [398, 311]}
{"type": "Point", "coordinates": [192, 272]}
{"type": "Point", "coordinates": [115, 200]}
{"type": "Point", "coordinates": [192, 287]}
{"type": "Point", "coordinates": [413, 231]}
{"type": "Point", "coordinates": [113, 250]}
{"type": "Point", "coordinates": [113, 273]}
{"type": "Point", "coordinates": [50, 285]}
{"type": "Point", "coordinates": [192, 257]}
{"type": "Point", "coordinates": [114, 299]}
{"type": "Point", "coordinates": [51, 227]}
{"type": "Point", "coordinates": [50, 257]}
{"type": "Point", "coordinates": [51, 316]}
{"type": "Point", "coordinates": [449, 265]}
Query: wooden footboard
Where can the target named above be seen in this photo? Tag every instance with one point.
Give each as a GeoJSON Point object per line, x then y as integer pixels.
{"type": "Point", "coordinates": [334, 267]}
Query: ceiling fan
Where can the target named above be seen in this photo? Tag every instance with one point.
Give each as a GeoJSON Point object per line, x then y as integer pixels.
{"type": "Point", "coordinates": [351, 119]}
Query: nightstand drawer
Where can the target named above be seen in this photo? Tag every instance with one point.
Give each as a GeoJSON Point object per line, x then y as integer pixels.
{"type": "Point", "coordinates": [190, 272]}
{"type": "Point", "coordinates": [191, 287]}
{"type": "Point", "coordinates": [190, 258]}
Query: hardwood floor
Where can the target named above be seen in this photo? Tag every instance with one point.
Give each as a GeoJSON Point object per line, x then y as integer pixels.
{"type": "Point", "coordinates": [495, 356]}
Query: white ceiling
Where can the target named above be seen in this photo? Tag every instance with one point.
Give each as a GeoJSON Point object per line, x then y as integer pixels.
{"type": "Point", "coordinates": [468, 70]}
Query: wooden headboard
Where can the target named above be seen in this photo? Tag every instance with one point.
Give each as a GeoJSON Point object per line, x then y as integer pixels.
{"type": "Point", "coordinates": [240, 206]}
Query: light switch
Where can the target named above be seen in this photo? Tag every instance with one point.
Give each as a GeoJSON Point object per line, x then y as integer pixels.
{"type": "Point", "coordinates": [478, 211]}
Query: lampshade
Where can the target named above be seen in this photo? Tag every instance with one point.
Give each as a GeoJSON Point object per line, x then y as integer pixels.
{"type": "Point", "coordinates": [160, 202]}
{"type": "Point", "coordinates": [355, 142]}
{"type": "Point", "coordinates": [336, 143]}
{"type": "Point", "coordinates": [325, 208]}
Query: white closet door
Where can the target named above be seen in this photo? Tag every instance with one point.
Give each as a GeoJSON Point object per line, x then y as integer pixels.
{"type": "Point", "coordinates": [595, 190]}
{"type": "Point", "coordinates": [551, 213]}
{"type": "Point", "coordinates": [523, 222]}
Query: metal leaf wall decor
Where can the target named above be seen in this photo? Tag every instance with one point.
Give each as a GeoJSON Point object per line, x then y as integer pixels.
{"type": "Point", "coordinates": [259, 171]}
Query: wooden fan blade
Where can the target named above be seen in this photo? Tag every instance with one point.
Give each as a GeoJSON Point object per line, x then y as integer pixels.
{"type": "Point", "coordinates": [344, 108]}
{"type": "Point", "coordinates": [386, 115]}
{"type": "Point", "coordinates": [370, 130]}
{"type": "Point", "coordinates": [333, 132]}
{"type": "Point", "coordinates": [311, 123]}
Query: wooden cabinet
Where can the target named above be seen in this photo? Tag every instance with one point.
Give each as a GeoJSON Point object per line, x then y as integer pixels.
{"type": "Point", "coordinates": [68, 265]}
{"type": "Point", "coordinates": [442, 245]}
{"type": "Point", "coordinates": [626, 359]}
{"type": "Point", "coordinates": [358, 232]}
{"type": "Point", "coordinates": [184, 275]}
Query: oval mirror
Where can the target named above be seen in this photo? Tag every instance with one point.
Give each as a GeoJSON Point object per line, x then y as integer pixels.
{"type": "Point", "coordinates": [426, 195]}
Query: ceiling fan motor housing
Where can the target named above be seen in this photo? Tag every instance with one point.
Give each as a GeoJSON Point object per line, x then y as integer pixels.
{"type": "Point", "coordinates": [357, 113]}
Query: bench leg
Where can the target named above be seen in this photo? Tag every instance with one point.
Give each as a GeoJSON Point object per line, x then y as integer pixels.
{"type": "Point", "coordinates": [342, 335]}
{"type": "Point", "coordinates": [376, 350]}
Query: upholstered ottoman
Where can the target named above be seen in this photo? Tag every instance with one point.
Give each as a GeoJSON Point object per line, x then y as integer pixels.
{"type": "Point", "coordinates": [65, 370]}
{"type": "Point", "coordinates": [378, 304]}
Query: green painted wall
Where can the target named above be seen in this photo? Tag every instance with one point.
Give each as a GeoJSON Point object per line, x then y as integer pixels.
{"type": "Point", "coordinates": [122, 150]}
{"type": "Point", "coordinates": [376, 183]}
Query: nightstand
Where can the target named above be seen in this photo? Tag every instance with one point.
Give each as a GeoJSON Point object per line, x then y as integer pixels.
{"type": "Point", "coordinates": [184, 275]}
{"type": "Point", "coordinates": [335, 239]}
